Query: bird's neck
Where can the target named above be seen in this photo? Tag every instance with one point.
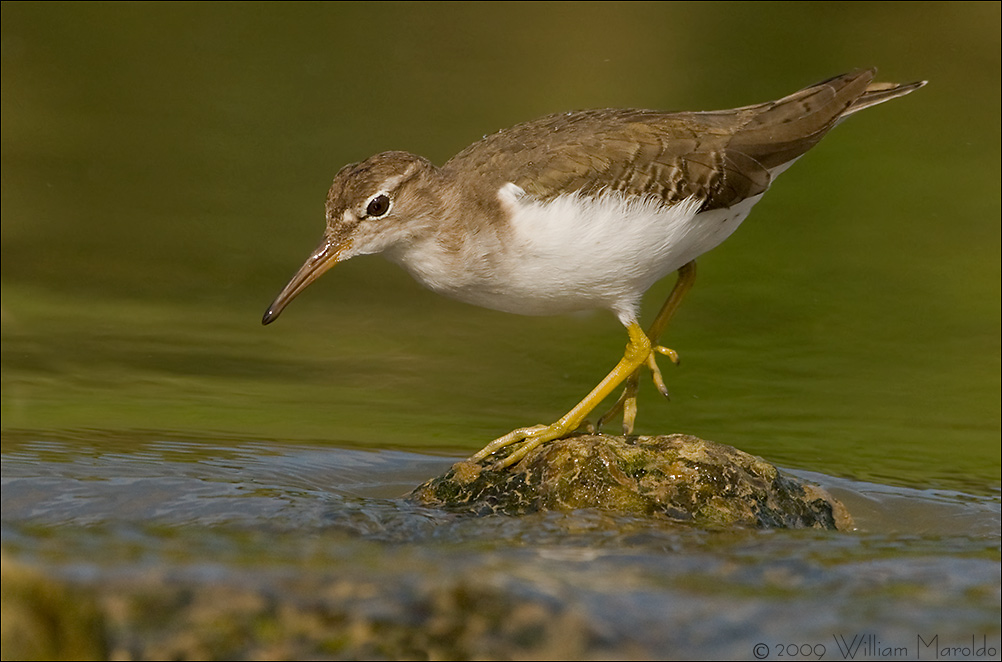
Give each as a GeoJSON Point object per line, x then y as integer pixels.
{"type": "Point", "coordinates": [456, 237]}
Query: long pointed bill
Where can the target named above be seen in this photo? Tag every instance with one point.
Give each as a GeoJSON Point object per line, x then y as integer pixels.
{"type": "Point", "coordinates": [323, 258]}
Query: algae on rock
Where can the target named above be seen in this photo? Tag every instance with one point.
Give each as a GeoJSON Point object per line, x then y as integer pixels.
{"type": "Point", "coordinates": [678, 476]}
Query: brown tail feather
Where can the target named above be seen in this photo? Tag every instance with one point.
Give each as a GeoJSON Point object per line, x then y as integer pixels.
{"type": "Point", "coordinates": [782, 130]}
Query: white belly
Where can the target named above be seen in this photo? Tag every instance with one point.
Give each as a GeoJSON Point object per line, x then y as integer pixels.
{"type": "Point", "coordinates": [575, 252]}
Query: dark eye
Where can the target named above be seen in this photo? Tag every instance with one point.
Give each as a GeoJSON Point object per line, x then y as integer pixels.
{"type": "Point", "coordinates": [378, 206]}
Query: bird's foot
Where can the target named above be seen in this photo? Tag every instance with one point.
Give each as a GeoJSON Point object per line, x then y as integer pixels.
{"type": "Point", "coordinates": [638, 352]}
{"type": "Point", "coordinates": [627, 402]}
{"type": "Point", "coordinates": [525, 441]}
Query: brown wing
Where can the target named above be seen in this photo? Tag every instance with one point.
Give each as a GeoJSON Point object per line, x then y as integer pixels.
{"type": "Point", "coordinates": [668, 155]}
{"type": "Point", "coordinates": [720, 157]}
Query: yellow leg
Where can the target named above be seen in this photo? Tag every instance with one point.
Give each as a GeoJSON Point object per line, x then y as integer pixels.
{"type": "Point", "coordinates": [627, 402]}
{"type": "Point", "coordinates": [636, 354]}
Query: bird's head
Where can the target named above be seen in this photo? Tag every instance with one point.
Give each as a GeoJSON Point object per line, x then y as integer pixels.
{"type": "Point", "coordinates": [372, 206]}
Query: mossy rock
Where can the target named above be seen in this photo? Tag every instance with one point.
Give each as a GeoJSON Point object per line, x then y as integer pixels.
{"type": "Point", "coordinates": [681, 477]}
{"type": "Point", "coordinates": [44, 619]}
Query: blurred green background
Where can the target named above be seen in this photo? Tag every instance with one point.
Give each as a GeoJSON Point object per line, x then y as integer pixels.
{"type": "Point", "coordinates": [164, 168]}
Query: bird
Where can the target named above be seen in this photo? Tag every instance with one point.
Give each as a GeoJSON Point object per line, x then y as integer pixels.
{"type": "Point", "coordinates": [578, 210]}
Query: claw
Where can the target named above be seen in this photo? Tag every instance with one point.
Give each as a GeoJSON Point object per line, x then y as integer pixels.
{"type": "Point", "coordinates": [670, 353]}
{"type": "Point", "coordinates": [659, 381]}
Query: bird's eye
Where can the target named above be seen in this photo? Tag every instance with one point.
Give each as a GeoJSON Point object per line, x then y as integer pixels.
{"type": "Point", "coordinates": [378, 206]}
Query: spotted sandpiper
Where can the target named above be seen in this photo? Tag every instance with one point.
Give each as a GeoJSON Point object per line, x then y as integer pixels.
{"type": "Point", "coordinates": [578, 210]}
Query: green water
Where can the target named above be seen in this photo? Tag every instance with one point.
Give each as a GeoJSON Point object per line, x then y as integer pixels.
{"type": "Point", "coordinates": [163, 174]}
